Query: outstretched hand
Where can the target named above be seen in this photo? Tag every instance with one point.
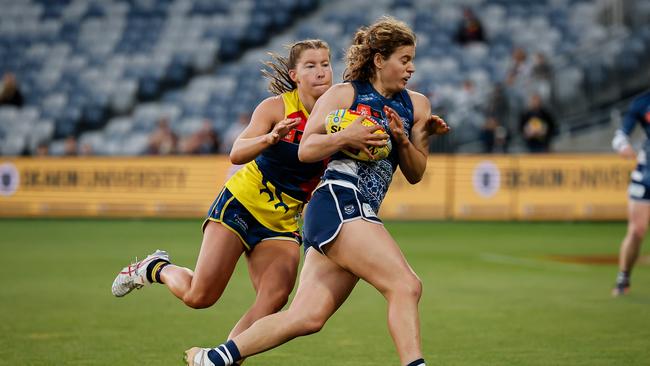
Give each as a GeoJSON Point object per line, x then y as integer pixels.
{"type": "Point", "coordinates": [396, 126]}
{"type": "Point", "coordinates": [436, 126]}
{"type": "Point", "coordinates": [627, 152]}
{"type": "Point", "coordinates": [281, 129]}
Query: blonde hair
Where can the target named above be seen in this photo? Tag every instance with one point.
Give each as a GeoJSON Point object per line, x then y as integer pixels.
{"type": "Point", "coordinates": [277, 70]}
{"type": "Point", "coordinates": [383, 37]}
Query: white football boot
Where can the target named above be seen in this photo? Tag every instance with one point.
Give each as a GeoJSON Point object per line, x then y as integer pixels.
{"type": "Point", "coordinates": [134, 276]}
{"type": "Point", "coordinates": [196, 356]}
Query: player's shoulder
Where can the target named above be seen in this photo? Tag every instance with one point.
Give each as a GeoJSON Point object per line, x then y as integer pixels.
{"type": "Point", "coordinates": [342, 92]}
{"type": "Point", "coordinates": [272, 106]}
{"type": "Point", "coordinates": [420, 102]}
{"type": "Point", "coordinates": [344, 87]}
{"type": "Point", "coordinates": [417, 97]}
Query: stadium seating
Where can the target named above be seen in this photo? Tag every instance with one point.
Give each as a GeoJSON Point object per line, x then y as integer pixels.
{"type": "Point", "coordinates": [108, 70]}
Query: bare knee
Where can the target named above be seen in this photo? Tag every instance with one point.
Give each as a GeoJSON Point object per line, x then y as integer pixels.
{"type": "Point", "coordinates": [305, 323]}
{"type": "Point", "coordinates": [311, 325]}
{"type": "Point", "coordinates": [279, 298]}
{"type": "Point", "coordinates": [637, 231]}
{"type": "Point", "coordinates": [199, 300]}
{"type": "Point", "coordinates": [409, 287]}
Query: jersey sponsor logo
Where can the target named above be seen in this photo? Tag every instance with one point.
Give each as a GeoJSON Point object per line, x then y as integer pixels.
{"type": "Point", "coordinates": [366, 110]}
{"type": "Point", "coordinates": [486, 179]}
{"type": "Point", "coordinates": [294, 136]}
{"type": "Point", "coordinates": [241, 222]}
{"type": "Point", "coordinates": [9, 179]}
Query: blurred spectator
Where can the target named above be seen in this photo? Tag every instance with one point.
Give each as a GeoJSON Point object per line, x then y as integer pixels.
{"type": "Point", "coordinates": [10, 93]}
{"type": "Point", "coordinates": [494, 136]}
{"type": "Point", "coordinates": [537, 126]}
{"type": "Point", "coordinates": [518, 69]}
{"type": "Point", "coordinates": [70, 146]}
{"type": "Point", "coordinates": [542, 76]}
{"type": "Point", "coordinates": [497, 104]}
{"type": "Point", "coordinates": [469, 29]}
{"type": "Point", "coordinates": [86, 149]}
{"type": "Point", "coordinates": [163, 141]}
{"type": "Point", "coordinates": [203, 141]}
{"type": "Point", "coordinates": [469, 97]}
{"type": "Point", "coordinates": [234, 131]}
{"type": "Point", "coordinates": [42, 149]}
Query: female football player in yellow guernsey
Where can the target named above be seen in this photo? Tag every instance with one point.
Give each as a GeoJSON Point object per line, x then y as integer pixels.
{"type": "Point", "coordinates": [256, 212]}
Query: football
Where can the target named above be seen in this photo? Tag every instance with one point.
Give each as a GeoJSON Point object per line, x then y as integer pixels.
{"type": "Point", "coordinates": [340, 119]}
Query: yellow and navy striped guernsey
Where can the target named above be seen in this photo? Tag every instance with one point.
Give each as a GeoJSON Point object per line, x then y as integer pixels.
{"type": "Point", "coordinates": [274, 186]}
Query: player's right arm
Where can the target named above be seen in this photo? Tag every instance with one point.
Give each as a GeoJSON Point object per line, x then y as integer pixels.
{"type": "Point", "coordinates": [621, 141]}
{"type": "Point", "coordinates": [266, 128]}
{"type": "Point", "coordinates": [317, 145]}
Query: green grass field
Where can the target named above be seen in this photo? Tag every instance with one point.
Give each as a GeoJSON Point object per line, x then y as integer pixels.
{"type": "Point", "coordinates": [491, 296]}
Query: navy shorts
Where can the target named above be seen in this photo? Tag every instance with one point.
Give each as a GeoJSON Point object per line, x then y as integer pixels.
{"type": "Point", "coordinates": [228, 211]}
{"type": "Point", "coordinates": [639, 188]}
{"type": "Point", "coordinates": [330, 207]}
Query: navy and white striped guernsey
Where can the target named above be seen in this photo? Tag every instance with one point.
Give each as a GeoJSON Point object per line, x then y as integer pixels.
{"type": "Point", "coordinates": [372, 178]}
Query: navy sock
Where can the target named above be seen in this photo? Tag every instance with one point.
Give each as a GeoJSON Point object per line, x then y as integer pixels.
{"type": "Point", "coordinates": [623, 278]}
{"type": "Point", "coordinates": [418, 362]}
{"type": "Point", "coordinates": [154, 268]}
{"type": "Point", "coordinates": [224, 355]}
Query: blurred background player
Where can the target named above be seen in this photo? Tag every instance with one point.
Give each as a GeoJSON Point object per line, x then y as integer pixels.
{"type": "Point", "coordinates": [256, 212]}
{"type": "Point", "coordinates": [638, 191]}
{"type": "Point", "coordinates": [345, 239]}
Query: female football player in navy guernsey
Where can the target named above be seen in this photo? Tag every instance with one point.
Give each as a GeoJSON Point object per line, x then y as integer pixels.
{"type": "Point", "coordinates": [345, 240]}
{"type": "Point", "coordinates": [256, 212]}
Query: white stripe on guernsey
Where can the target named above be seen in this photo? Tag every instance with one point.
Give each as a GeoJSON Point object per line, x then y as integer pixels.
{"type": "Point", "coordinates": [228, 354]}
{"type": "Point", "coordinates": [347, 166]}
{"type": "Point", "coordinates": [223, 356]}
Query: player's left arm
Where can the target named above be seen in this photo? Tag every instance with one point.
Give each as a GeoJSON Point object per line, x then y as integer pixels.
{"type": "Point", "coordinates": [413, 152]}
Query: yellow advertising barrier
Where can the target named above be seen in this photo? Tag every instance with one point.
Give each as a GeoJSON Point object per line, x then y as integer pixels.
{"type": "Point", "coordinates": [132, 187]}
{"type": "Point", "coordinates": [425, 200]}
{"type": "Point", "coordinates": [541, 187]}
{"type": "Point", "coordinates": [464, 187]}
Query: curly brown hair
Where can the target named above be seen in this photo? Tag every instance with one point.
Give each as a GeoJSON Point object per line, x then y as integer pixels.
{"type": "Point", "coordinates": [383, 37]}
{"type": "Point", "coordinates": [277, 70]}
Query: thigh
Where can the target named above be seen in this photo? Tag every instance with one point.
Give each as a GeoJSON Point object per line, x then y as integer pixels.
{"type": "Point", "coordinates": [323, 287]}
{"type": "Point", "coordinates": [273, 264]}
{"type": "Point", "coordinates": [367, 250]}
{"type": "Point", "coordinates": [220, 251]}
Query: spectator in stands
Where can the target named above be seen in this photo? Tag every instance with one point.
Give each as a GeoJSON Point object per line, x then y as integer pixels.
{"type": "Point", "coordinates": [42, 149]}
{"type": "Point", "coordinates": [163, 141]}
{"type": "Point", "coordinates": [70, 146]}
{"type": "Point", "coordinates": [234, 131]}
{"type": "Point", "coordinates": [469, 97]}
{"type": "Point", "coordinates": [542, 76]}
{"type": "Point", "coordinates": [469, 29]}
{"type": "Point", "coordinates": [537, 126]}
{"type": "Point", "coordinates": [494, 136]}
{"type": "Point", "coordinates": [497, 104]}
{"type": "Point", "coordinates": [519, 69]}
{"type": "Point", "coordinates": [10, 93]}
{"type": "Point", "coordinates": [86, 149]}
{"type": "Point", "coordinates": [203, 141]}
